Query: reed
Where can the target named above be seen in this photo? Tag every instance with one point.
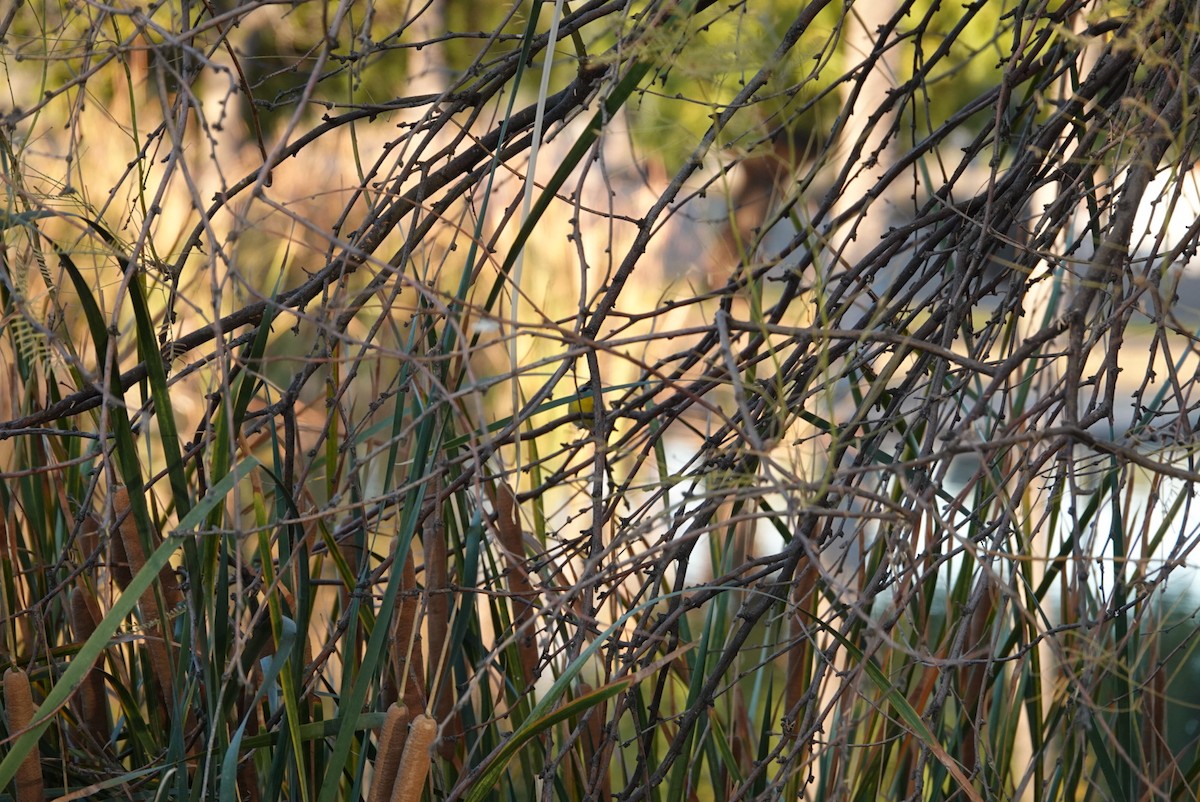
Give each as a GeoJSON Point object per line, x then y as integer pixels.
{"type": "Point", "coordinates": [389, 754]}
{"type": "Point", "coordinates": [413, 771]}
{"type": "Point", "coordinates": [155, 627]}
{"type": "Point", "coordinates": [659, 401]}
{"type": "Point", "coordinates": [442, 686]}
{"type": "Point", "coordinates": [408, 651]}
{"type": "Point", "coordinates": [19, 708]}
{"type": "Point", "coordinates": [512, 544]}
{"type": "Point", "coordinates": [91, 700]}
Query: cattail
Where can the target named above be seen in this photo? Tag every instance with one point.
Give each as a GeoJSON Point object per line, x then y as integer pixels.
{"type": "Point", "coordinates": [247, 776]}
{"type": "Point", "coordinates": [436, 571]}
{"type": "Point", "coordinates": [407, 652]}
{"type": "Point", "coordinates": [508, 524]}
{"type": "Point", "coordinates": [741, 730]}
{"type": "Point", "coordinates": [89, 537]}
{"type": "Point", "coordinates": [172, 595]}
{"type": "Point", "coordinates": [119, 563]}
{"type": "Point", "coordinates": [595, 746]}
{"type": "Point", "coordinates": [437, 587]}
{"type": "Point", "coordinates": [391, 750]}
{"type": "Point", "coordinates": [156, 631]}
{"type": "Point", "coordinates": [594, 734]}
{"type": "Point", "coordinates": [18, 702]}
{"type": "Point", "coordinates": [974, 672]}
{"type": "Point", "coordinates": [800, 654]}
{"type": "Point", "coordinates": [91, 698]}
{"type": "Point", "coordinates": [414, 765]}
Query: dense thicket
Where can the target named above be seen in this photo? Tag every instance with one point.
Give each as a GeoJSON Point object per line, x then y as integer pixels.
{"type": "Point", "coordinates": [649, 400]}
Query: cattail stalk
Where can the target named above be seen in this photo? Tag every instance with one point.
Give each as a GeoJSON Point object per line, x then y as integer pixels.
{"type": "Point", "coordinates": [437, 587]}
{"type": "Point", "coordinates": [18, 703]}
{"type": "Point", "coordinates": [91, 698]}
{"type": "Point", "coordinates": [414, 764]}
{"type": "Point", "coordinates": [407, 651]}
{"type": "Point", "coordinates": [974, 671]}
{"type": "Point", "coordinates": [247, 775]}
{"type": "Point", "coordinates": [391, 751]}
{"type": "Point", "coordinates": [157, 631]}
{"type": "Point", "coordinates": [595, 747]}
{"type": "Point", "coordinates": [120, 567]}
{"type": "Point", "coordinates": [89, 538]}
{"type": "Point", "coordinates": [508, 525]}
{"type": "Point", "coordinates": [799, 663]}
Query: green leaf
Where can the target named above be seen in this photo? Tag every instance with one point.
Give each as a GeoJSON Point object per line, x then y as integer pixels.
{"type": "Point", "coordinates": [86, 657]}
